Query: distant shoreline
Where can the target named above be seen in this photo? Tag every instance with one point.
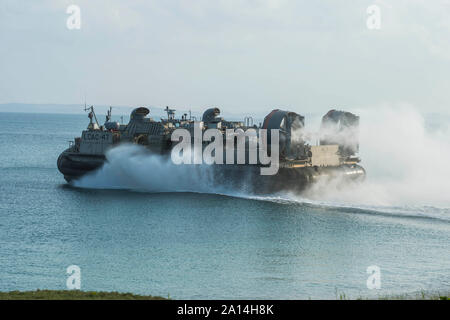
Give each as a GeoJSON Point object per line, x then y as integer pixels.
{"type": "Point", "coordinates": [101, 109]}
{"type": "Point", "coordinates": [70, 109]}
{"type": "Point", "coordinates": [78, 109]}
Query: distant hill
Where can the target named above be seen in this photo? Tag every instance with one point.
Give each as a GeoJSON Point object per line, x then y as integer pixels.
{"type": "Point", "coordinates": [126, 110]}
{"type": "Point", "coordinates": [69, 108]}
{"type": "Point", "coordinates": [100, 110]}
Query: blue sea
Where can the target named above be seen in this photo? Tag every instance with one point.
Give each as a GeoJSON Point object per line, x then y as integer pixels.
{"type": "Point", "coordinates": [150, 237]}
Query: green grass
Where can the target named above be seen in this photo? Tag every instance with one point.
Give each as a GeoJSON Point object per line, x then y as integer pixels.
{"type": "Point", "coordinates": [99, 295]}
{"type": "Point", "coordinates": [419, 296]}
{"type": "Point", "coordinates": [72, 295]}
{"type": "Point", "coordinates": [407, 296]}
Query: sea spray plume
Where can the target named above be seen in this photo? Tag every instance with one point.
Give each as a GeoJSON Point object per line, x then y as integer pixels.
{"type": "Point", "coordinates": [405, 163]}
{"type": "Point", "coordinates": [133, 167]}
{"type": "Point", "coordinates": [410, 161]}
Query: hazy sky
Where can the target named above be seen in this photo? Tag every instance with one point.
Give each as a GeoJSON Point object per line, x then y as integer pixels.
{"type": "Point", "coordinates": [239, 55]}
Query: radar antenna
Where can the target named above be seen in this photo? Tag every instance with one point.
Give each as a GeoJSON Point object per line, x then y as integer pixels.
{"type": "Point", "coordinates": [108, 115]}
{"type": "Point", "coordinates": [170, 113]}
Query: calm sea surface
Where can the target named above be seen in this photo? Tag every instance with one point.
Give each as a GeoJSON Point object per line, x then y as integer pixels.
{"type": "Point", "coordinates": [196, 245]}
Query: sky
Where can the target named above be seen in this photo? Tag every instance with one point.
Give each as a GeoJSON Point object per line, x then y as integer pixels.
{"type": "Point", "coordinates": [242, 56]}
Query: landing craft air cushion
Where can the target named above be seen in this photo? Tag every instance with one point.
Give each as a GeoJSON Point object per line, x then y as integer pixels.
{"type": "Point", "coordinates": [299, 163]}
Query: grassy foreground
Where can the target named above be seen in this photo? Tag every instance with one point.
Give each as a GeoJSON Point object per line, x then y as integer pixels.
{"type": "Point", "coordinates": [416, 296]}
{"type": "Point", "coordinates": [72, 295]}
{"type": "Point", "coordinates": [421, 296]}
{"type": "Point", "coordinates": [99, 295]}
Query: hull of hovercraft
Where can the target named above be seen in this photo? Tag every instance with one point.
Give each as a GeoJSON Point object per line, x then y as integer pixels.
{"type": "Point", "coordinates": [73, 166]}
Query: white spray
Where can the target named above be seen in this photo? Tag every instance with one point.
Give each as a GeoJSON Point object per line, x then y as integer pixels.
{"type": "Point", "coordinates": [406, 164]}
{"type": "Point", "coordinates": [132, 167]}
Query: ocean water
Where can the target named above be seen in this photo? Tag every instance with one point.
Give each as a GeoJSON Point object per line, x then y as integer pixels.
{"type": "Point", "coordinates": [142, 226]}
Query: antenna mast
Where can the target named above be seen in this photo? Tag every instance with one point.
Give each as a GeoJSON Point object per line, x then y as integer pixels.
{"type": "Point", "coordinates": [108, 114]}
{"type": "Point", "coordinates": [91, 114]}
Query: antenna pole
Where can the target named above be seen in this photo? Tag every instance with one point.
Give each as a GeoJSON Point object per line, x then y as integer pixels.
{"type": "Point", "coordinates": [92, 108]}
{"type": "Point", "coordinates": [108, 114]}
{"type": "Point", "coordinates": [167, 110]}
